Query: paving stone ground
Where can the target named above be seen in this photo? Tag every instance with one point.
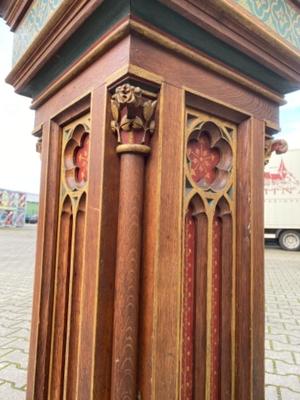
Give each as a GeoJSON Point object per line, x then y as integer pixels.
{"type": "Point", "coordinates": [17, 249]}
{"type": "Point", "coordinates": [282, 336]}
{"type": "Point", "coordinates": [282, 363]}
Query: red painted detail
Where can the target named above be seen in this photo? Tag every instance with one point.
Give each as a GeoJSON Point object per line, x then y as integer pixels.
{"type": "Point", "coordinates": [203, 159]}
{"type": "Point", "coordinates": [216, 309]}
{"type": "Point", "coordinates": [188, 309]}
{"type": "Point", "coordinates": [22, 200]}
{"type": "Point", "coordinates": [280, 175]}
{"type": "Point", "coordinates": [81, 161]}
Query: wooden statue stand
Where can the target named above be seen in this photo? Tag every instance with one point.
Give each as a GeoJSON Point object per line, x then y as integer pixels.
{"type": "Point", "coordinates": [151, 119]}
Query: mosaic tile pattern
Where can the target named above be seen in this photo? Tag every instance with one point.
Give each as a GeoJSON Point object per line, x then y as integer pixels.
{"type": "Point", "coordinates": [279, 15]}
{"type": "Point", "coordinates": [34, 20]}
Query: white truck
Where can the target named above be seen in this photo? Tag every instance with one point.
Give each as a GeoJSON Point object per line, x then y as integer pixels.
{"type": "Point", "coordinates": [282, 199]}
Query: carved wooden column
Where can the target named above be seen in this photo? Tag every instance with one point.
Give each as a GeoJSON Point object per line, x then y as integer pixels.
{"type": "Point", "coordinates": [149, 279]}
{"type": "Point", "coordinates": [133, 123]}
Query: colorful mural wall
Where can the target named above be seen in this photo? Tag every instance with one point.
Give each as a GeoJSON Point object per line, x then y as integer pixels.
{"type": "Point", "coordinates": [12, 208]}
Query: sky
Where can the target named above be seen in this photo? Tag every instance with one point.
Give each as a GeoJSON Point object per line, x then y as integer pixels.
{"type": "Point", "coordinates": [20, 164]}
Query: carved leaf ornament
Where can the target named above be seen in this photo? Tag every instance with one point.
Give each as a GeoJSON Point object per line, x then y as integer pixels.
{"type": "Point", "coordinates": [76, 157]}
{"type": "Point", "coordinates": [279, 146]}
{"type": "Point", "coordinates": [132, 115]}
{"type": "Point", "coordinates": [209, 157]}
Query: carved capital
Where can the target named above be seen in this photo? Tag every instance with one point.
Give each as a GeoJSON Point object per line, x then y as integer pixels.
{"type": "Point", "coordinates": [38, 133]}
{"type": "Point", "coordinates": [280, 146]}
{"type": "Point", "coordinates": [38, 146]}
{"type": "Point", "coordinates": [132, 119]}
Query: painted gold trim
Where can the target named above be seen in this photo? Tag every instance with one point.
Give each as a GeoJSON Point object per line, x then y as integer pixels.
{"type": "Point", "coordinates": [133, 148]}
{"type": "Point", "coordinates": [157, 244]}
{"type": "Point", "coordinates": [133, 70]}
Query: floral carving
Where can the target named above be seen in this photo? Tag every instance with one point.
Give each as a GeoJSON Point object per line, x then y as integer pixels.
{"type": "Point", "coordinates": [204, 160]}
{"type": "Point", "coordinates": [132, 115]}
{"type": "Point", "coordinates": [209, 158]}
{"type": "Point", "coordinates": [76, 157]}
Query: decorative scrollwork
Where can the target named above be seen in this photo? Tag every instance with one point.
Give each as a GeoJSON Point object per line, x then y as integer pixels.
{"type": "Point", "coordinates": [279, 146]}
{"type": "Point", "coordinates": [132, 116]}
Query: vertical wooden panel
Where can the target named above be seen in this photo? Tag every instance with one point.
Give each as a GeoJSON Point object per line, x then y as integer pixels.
{"type": "Point", "coordinates": [149, 247]}
{"type": "Point", "coordinates": [40, 340]}
{"type": "Point", "coordinates": [216, 298]}
{"type": "Point", "coordinates": [258, 259]}
{"type": "Point", "coordinates": [226, 327]}
{"type": "Point", "coordinates": [243, 261]}
{"type": "Point", "coordinates": [62, 277]}
{"type": "Point", "coordinates": [193, 367]}
{"type": "Point", "coordinates": [75, 311]}
{"type": "Point", "coordinates": [250, 262]}
{"type": "Point", "coordinates": [210, 154]}
{"type": "Point", "coordinates": [200, 342]}
{"type": "Point", "coordinates": [189, 296]}
{"type": "Point", "coordinates": [99, 256]}
{"type": "Point", "coordinates": [168, 262]}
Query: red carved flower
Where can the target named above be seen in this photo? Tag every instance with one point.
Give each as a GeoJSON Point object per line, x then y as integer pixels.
{"type": "Point", "coordinates": [210, 158]}
{"type": "Point", "coordinates": [203, 160]}
{"type": "Point", "coordinates": [81, 161]}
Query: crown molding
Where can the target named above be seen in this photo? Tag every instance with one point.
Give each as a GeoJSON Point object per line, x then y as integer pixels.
{"type": "Point", "coordinates": [59, 28]}
{"type": "Point", "coordinates": [13, 11]}
{"type": "Point", "coordinates": [277, 71]}
{"type": "Point", "coordinates": [234, 25]}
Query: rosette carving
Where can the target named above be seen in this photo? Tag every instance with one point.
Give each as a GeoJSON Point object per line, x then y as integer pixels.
{"type": "Point", "coordinates": [132, 118]}
{"type": "Point", "coordinates": [209, 158]}
{"type": "Point", "coordinates": [76, 157]}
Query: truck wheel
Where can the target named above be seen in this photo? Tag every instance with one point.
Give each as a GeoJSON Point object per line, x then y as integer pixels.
{"type": "Point", "coordinates": [290, 240]}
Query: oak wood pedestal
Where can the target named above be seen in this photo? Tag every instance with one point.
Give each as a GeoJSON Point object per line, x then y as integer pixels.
{"type": "Point", "coordinates": [151, 119]}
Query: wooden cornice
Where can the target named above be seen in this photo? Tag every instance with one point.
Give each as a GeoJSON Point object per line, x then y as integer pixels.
{"type": "Point", "coordinates": [63, 23]}
{"type": "Point", "coordinates": [231, 23]}
{"type": "Point", "coordinates": [13, 11]}
{"type": "Point", "coordinates": [133, 26]}
{"type": "Point", "coordinates": [213, 16]}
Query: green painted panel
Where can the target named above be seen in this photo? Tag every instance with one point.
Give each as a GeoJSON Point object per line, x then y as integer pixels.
{"type": "Point", "coordinates": [279, 15]}
{"type": "Point", "coordinates": [34, 20]}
